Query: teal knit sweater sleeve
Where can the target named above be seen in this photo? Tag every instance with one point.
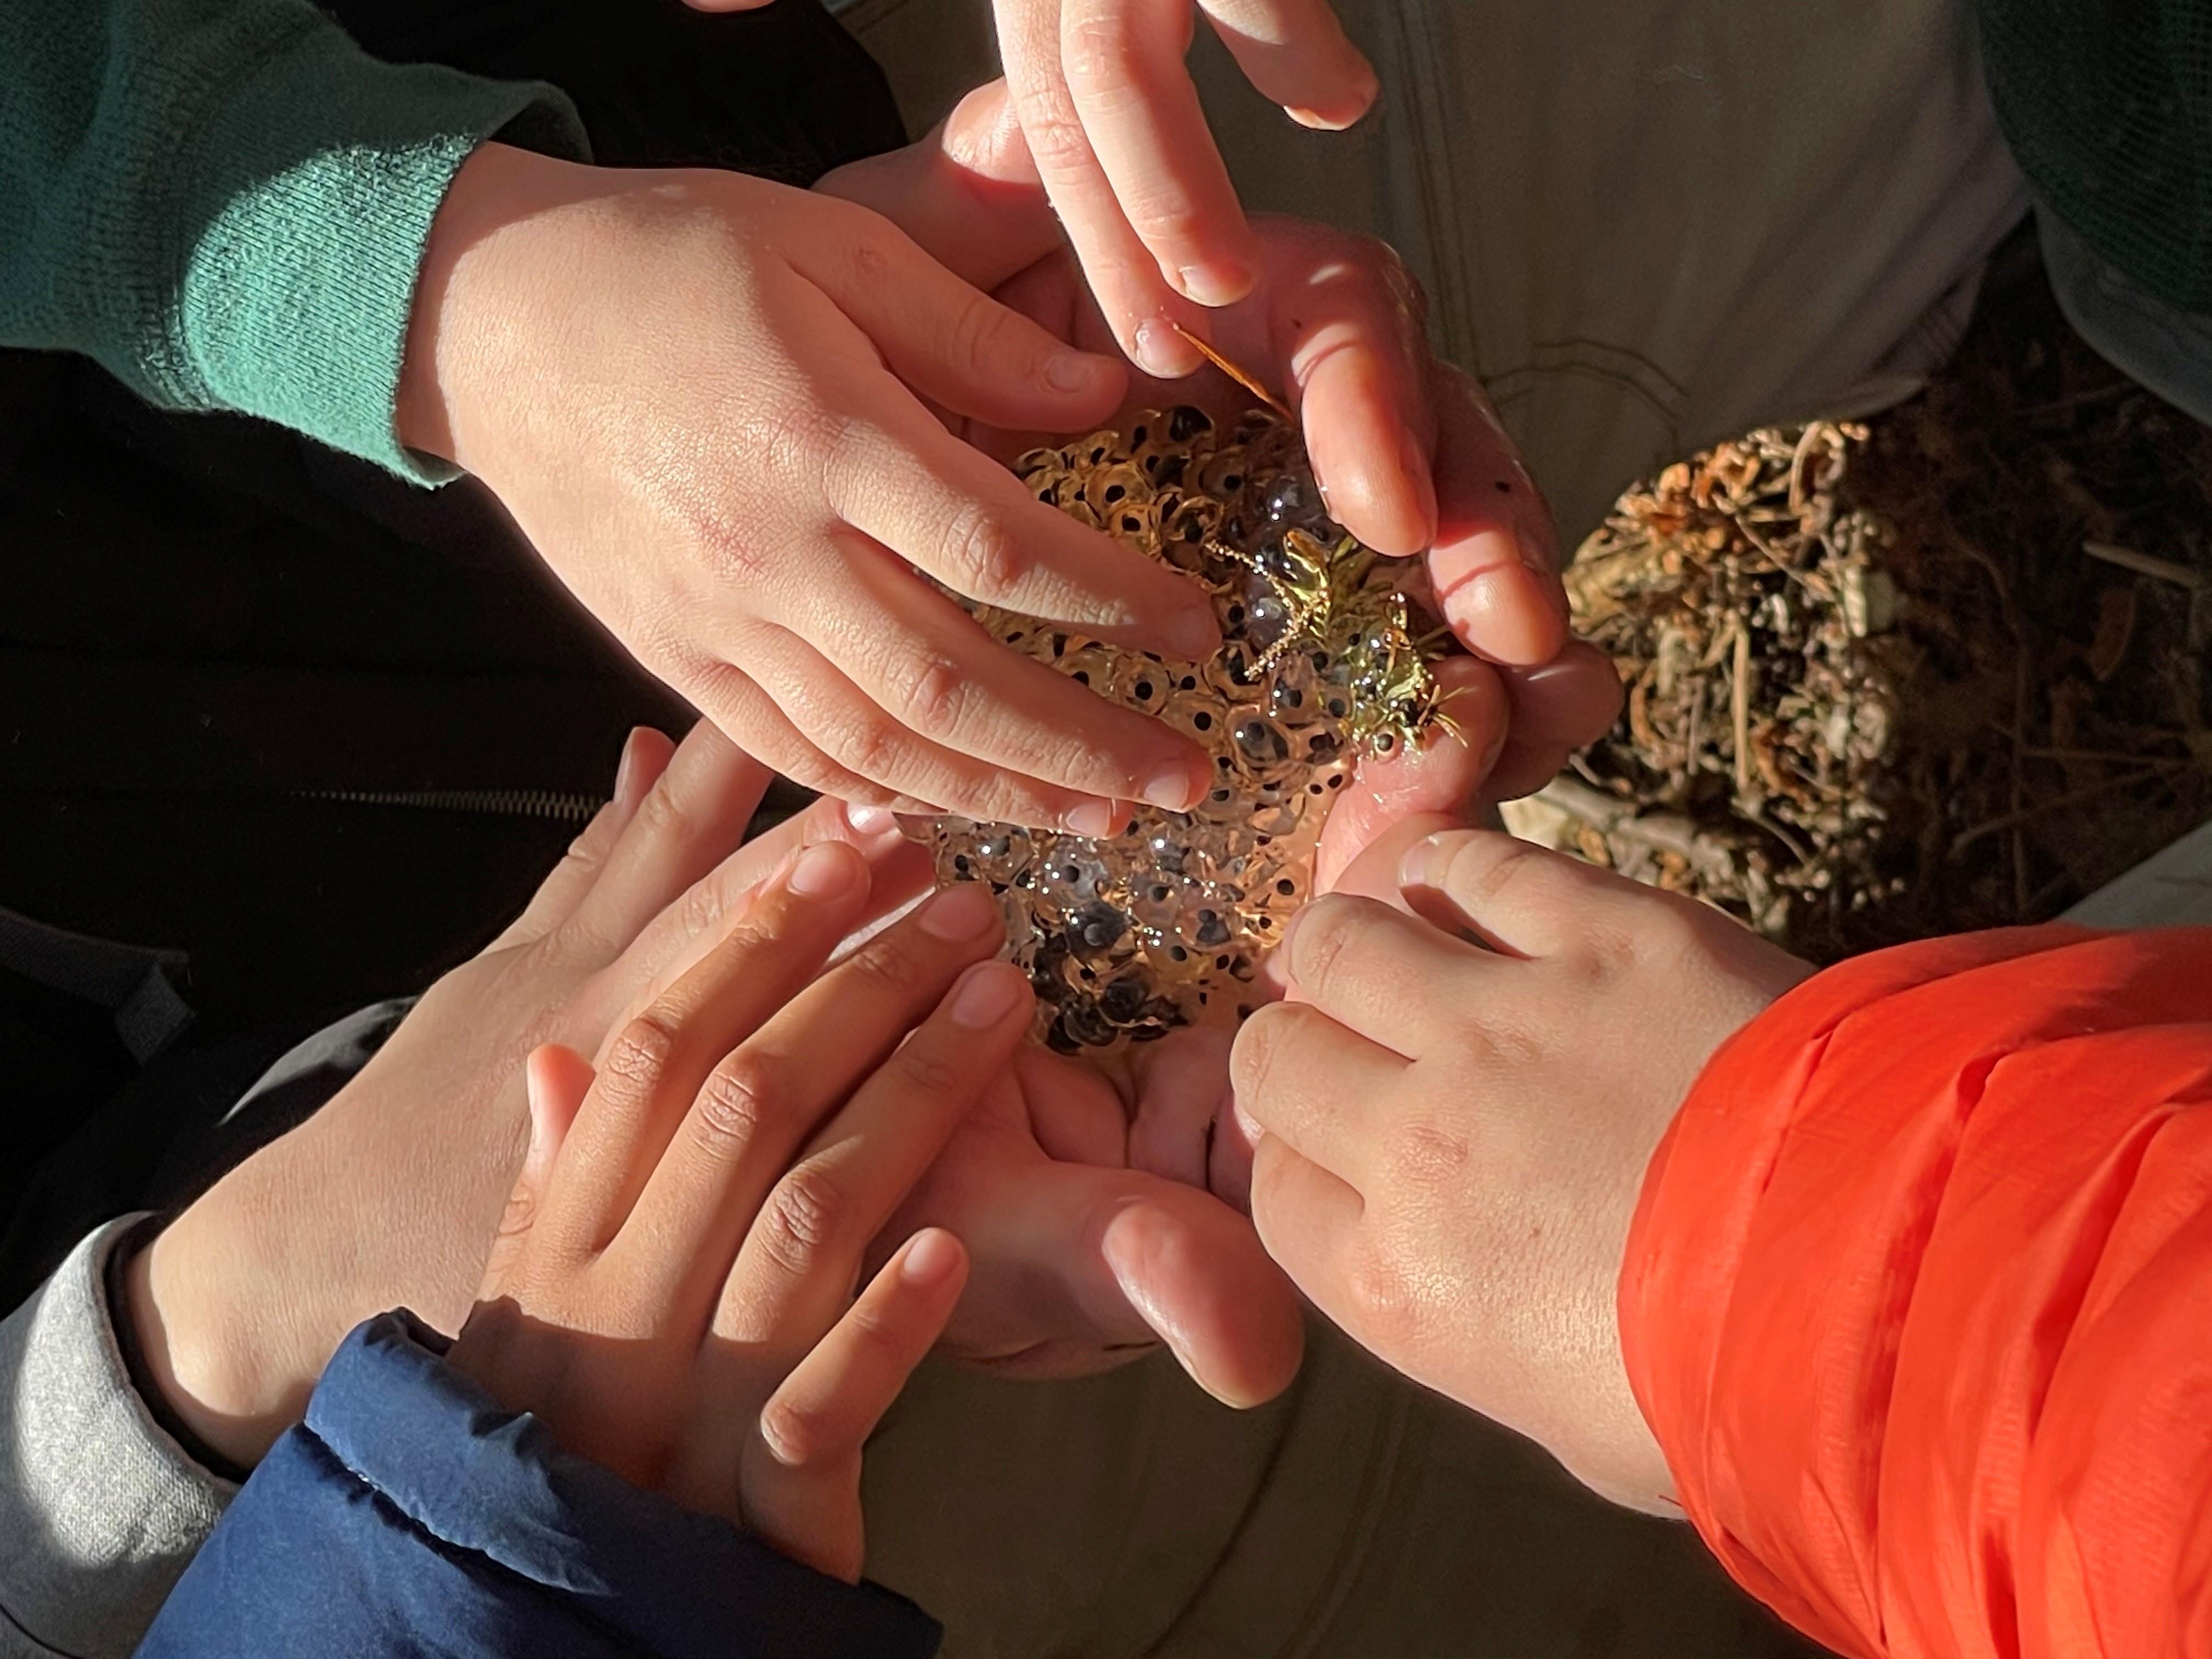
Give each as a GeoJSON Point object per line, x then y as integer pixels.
{"type": "Point", "coordinates": [226, 202]}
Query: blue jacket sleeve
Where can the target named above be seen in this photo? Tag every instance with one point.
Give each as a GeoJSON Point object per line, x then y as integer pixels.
{"type": "Point", "coordinates": [410, 1513]}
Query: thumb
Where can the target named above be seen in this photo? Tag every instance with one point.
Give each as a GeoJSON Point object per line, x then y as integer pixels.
{"type": "Point", "coordinates": [968, 194]}
{"type": "Point", "coordinates": [1445, 774]}
{"type": "Point", "coordinates": [555, 1080]}
{"type": "Point", "coordinates": [1135, 1259]}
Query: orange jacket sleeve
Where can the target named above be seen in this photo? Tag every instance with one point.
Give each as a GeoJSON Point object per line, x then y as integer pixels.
{"type": "Point", "coordinates": [1919, 1299]}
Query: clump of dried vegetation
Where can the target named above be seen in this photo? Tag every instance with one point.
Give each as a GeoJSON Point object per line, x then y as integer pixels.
{"type": "Point", "coordinates": [1950, 669]}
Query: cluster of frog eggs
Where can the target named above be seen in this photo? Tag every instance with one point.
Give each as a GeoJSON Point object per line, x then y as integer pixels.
{"type": "Point", "coordinates": [1163, 925]}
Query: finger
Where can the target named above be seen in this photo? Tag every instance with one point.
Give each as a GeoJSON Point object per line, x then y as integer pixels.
{"type": "Point", "coordinates": [858, 732]}
{"type": "Point", "coordinates": [1075, 1113]}
{"type": "Point", "coordinates": [1296, 55]}
{"type": "Point", "coordinates": [1131, 90]}
{"type": "Point", "coordinates": [815, 1424]}
{"type": "Point", "coordinates": [1300, 1075]}
{"type": "Point", "coordinates": [556, 1081]}
{"type": "Point", "coordinates": [654, 1065]}
{"type": "Point", "coordinates": [947, 508]}
{"type": "Point", "coordinates": [1182, 1089]}
{"type": "Point", "coordinates": [1495, 564]}
{"type": "Point", "coordinates": [899, 872]}
{"type": "Point", "coordinates": [968, 194]}
{"type": "Point", "coordinates": [1136, 300]}
{"type": "Point", "coordinates": [1446, 774]}
{"type": "Point", "coordinates": [800, 1260]}
{"type": "Point", "coordinates": [951, 342]}
{"type": "Point", "coordinates": [645, 757]}
{"type": "Point", "coordinates": [1382, 973]}
{"type": "Point", "coordinates": [693, 816]}
{"type": "Point", "coordinates": [735, 703]}
{"type": "Point", "coordinates": [1520, 898]}
{"type": "Point", "coordinates": [1306, 1218]}
{"type": "Point", "coordinates": [761, 1101]}
{"type": "Point", "coordinates": [1121, 1259]}
{"type": "Point", "coordinates": [1345, 320]}
{"type": "Point", "coordinates": [945, 679]}
{"type": "Point", "coordinates": [1557, 708]}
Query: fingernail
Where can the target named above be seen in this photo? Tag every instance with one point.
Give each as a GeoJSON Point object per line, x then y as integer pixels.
{"type": "Point", "coordinates": [1421, 861]}
{"type": "Point", "coordinates": [626, 767]}
{"type": "Point", "coordinates": [1194, 635]}
{"type": "Point", "coordinates": [825, 870]}
{"type": "Point", "coordinates": [962, 911]}
{"type": "Point", "coordinates": [1161, 353]}
{"type": "Point", "coordinates": [1094, 820]}
{"type": "Point", "coordinates": [1174, 790]}
{"type": "Point", "coordinates": [1215, 282]}
{"type": "Point", "coordinates": [986, 994]}
{"type": "Point", "coordinates": [933, 1258]}
{"type": "Point", "coordinates": [1071, 372]}
{"type": "Point", "coordinates": [870, 820]}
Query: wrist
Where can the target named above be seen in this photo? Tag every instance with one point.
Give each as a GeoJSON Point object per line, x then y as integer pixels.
{"type": "Point", "coordinates": [200, 1367]}
{"type": "Point", "coordinates": [458, 295]}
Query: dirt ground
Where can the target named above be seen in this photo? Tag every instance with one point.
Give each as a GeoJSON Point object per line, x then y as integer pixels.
{"type": "Point", "coordinates": [1948, 669]}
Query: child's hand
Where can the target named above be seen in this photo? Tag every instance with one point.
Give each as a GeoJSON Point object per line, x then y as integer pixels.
{"type": "Point", "coordinates": [1109, 112]}
{"type": "Point", "coordinates": [696, 393]}
{"type": "Point", "coordinates": [673, 1289]}
{"type": "Point", "coordinates": [1408, 449]}
{"type": "Point", "coordinates": [1454, 1118]}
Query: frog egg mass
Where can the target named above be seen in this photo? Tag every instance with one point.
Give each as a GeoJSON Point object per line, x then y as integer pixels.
{"type": "Point", "coordinates": [1321, 663]}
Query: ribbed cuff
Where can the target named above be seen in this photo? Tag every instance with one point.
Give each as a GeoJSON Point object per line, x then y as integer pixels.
{"type": "Point", "coordinates": [312, 183]}
{"type": "Point", "coordinates": [99, 1508]}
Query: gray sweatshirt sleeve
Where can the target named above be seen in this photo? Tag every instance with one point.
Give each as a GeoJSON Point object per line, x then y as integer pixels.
{"type": "Point", "coordinates": [100, 1509]}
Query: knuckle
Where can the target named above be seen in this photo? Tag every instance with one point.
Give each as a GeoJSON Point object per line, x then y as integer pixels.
{"type": "Point", "coordinates": [886, 967]}
{"type": "Point", "coordinates": [1325, 930]}
{"type": "Point", "coordinates": [667, 818]}
{"type": "Point", "coordinates": [1381, 1310]}
{"type": "Point", "coordinates": [1494, 867]}
{"type": "Point", "coordinates": [640, 1052]}
{"type": "Point", "coordinates": [927, 1071]}
{"type": "Point", "coordinates": [982, 335]}
{"type": "Point", "coordinates": [1253, 1057]}
{"type": "Point", "coordinates": [931, 694]}
{"type": "Point", "coordinates": [737, 1097]}
{"type": "Point", "coordinates": [803, 1219]}
{"type": "Point", "coordinates": [1100, 51]}
{"type": "Point", "coordinates": [984, 556]}
{"type": "Point", "coordinates": [875, 746]}
{"type": "Point", "coordinates": [1428, 1154]}
{"type": "Point", "coordinates": [1056, 140]}
{"type": "Point", "coordinates": [1172, 219]}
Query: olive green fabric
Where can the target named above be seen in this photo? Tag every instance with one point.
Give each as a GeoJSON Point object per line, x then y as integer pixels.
{"type": "Point", "coordinates": [225, 201]}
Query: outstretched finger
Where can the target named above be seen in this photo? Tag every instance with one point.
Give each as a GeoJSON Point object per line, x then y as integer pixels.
{"type": "Point", "coordinates": [654, 1067]}
{"type": "Point", "coordinates": [1127, 79]}
{"type": "Point", "coordinates": [950, 682]}
{"type": "Point", "coordinates": [764, 1099]}
{"type": "Point", "coordinates": [695, 815]}
{"type": "Point", "coordinates": [556, 1081]}
{"type": "Point", "coordinates": [815, 1423]}
{"type": "Point", "coordinates": [1495, 564]}
{"type": "Point", "coordinates": [1136, 300]}
{"type": "Point", "coordinates": [1296, 55]}
{"type": "Point", "coordinates": [645, 757]}
{"type": "Point", "coordinates": [949, 509]}
{"type": "Point", "coordinates": [800, 1262]}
